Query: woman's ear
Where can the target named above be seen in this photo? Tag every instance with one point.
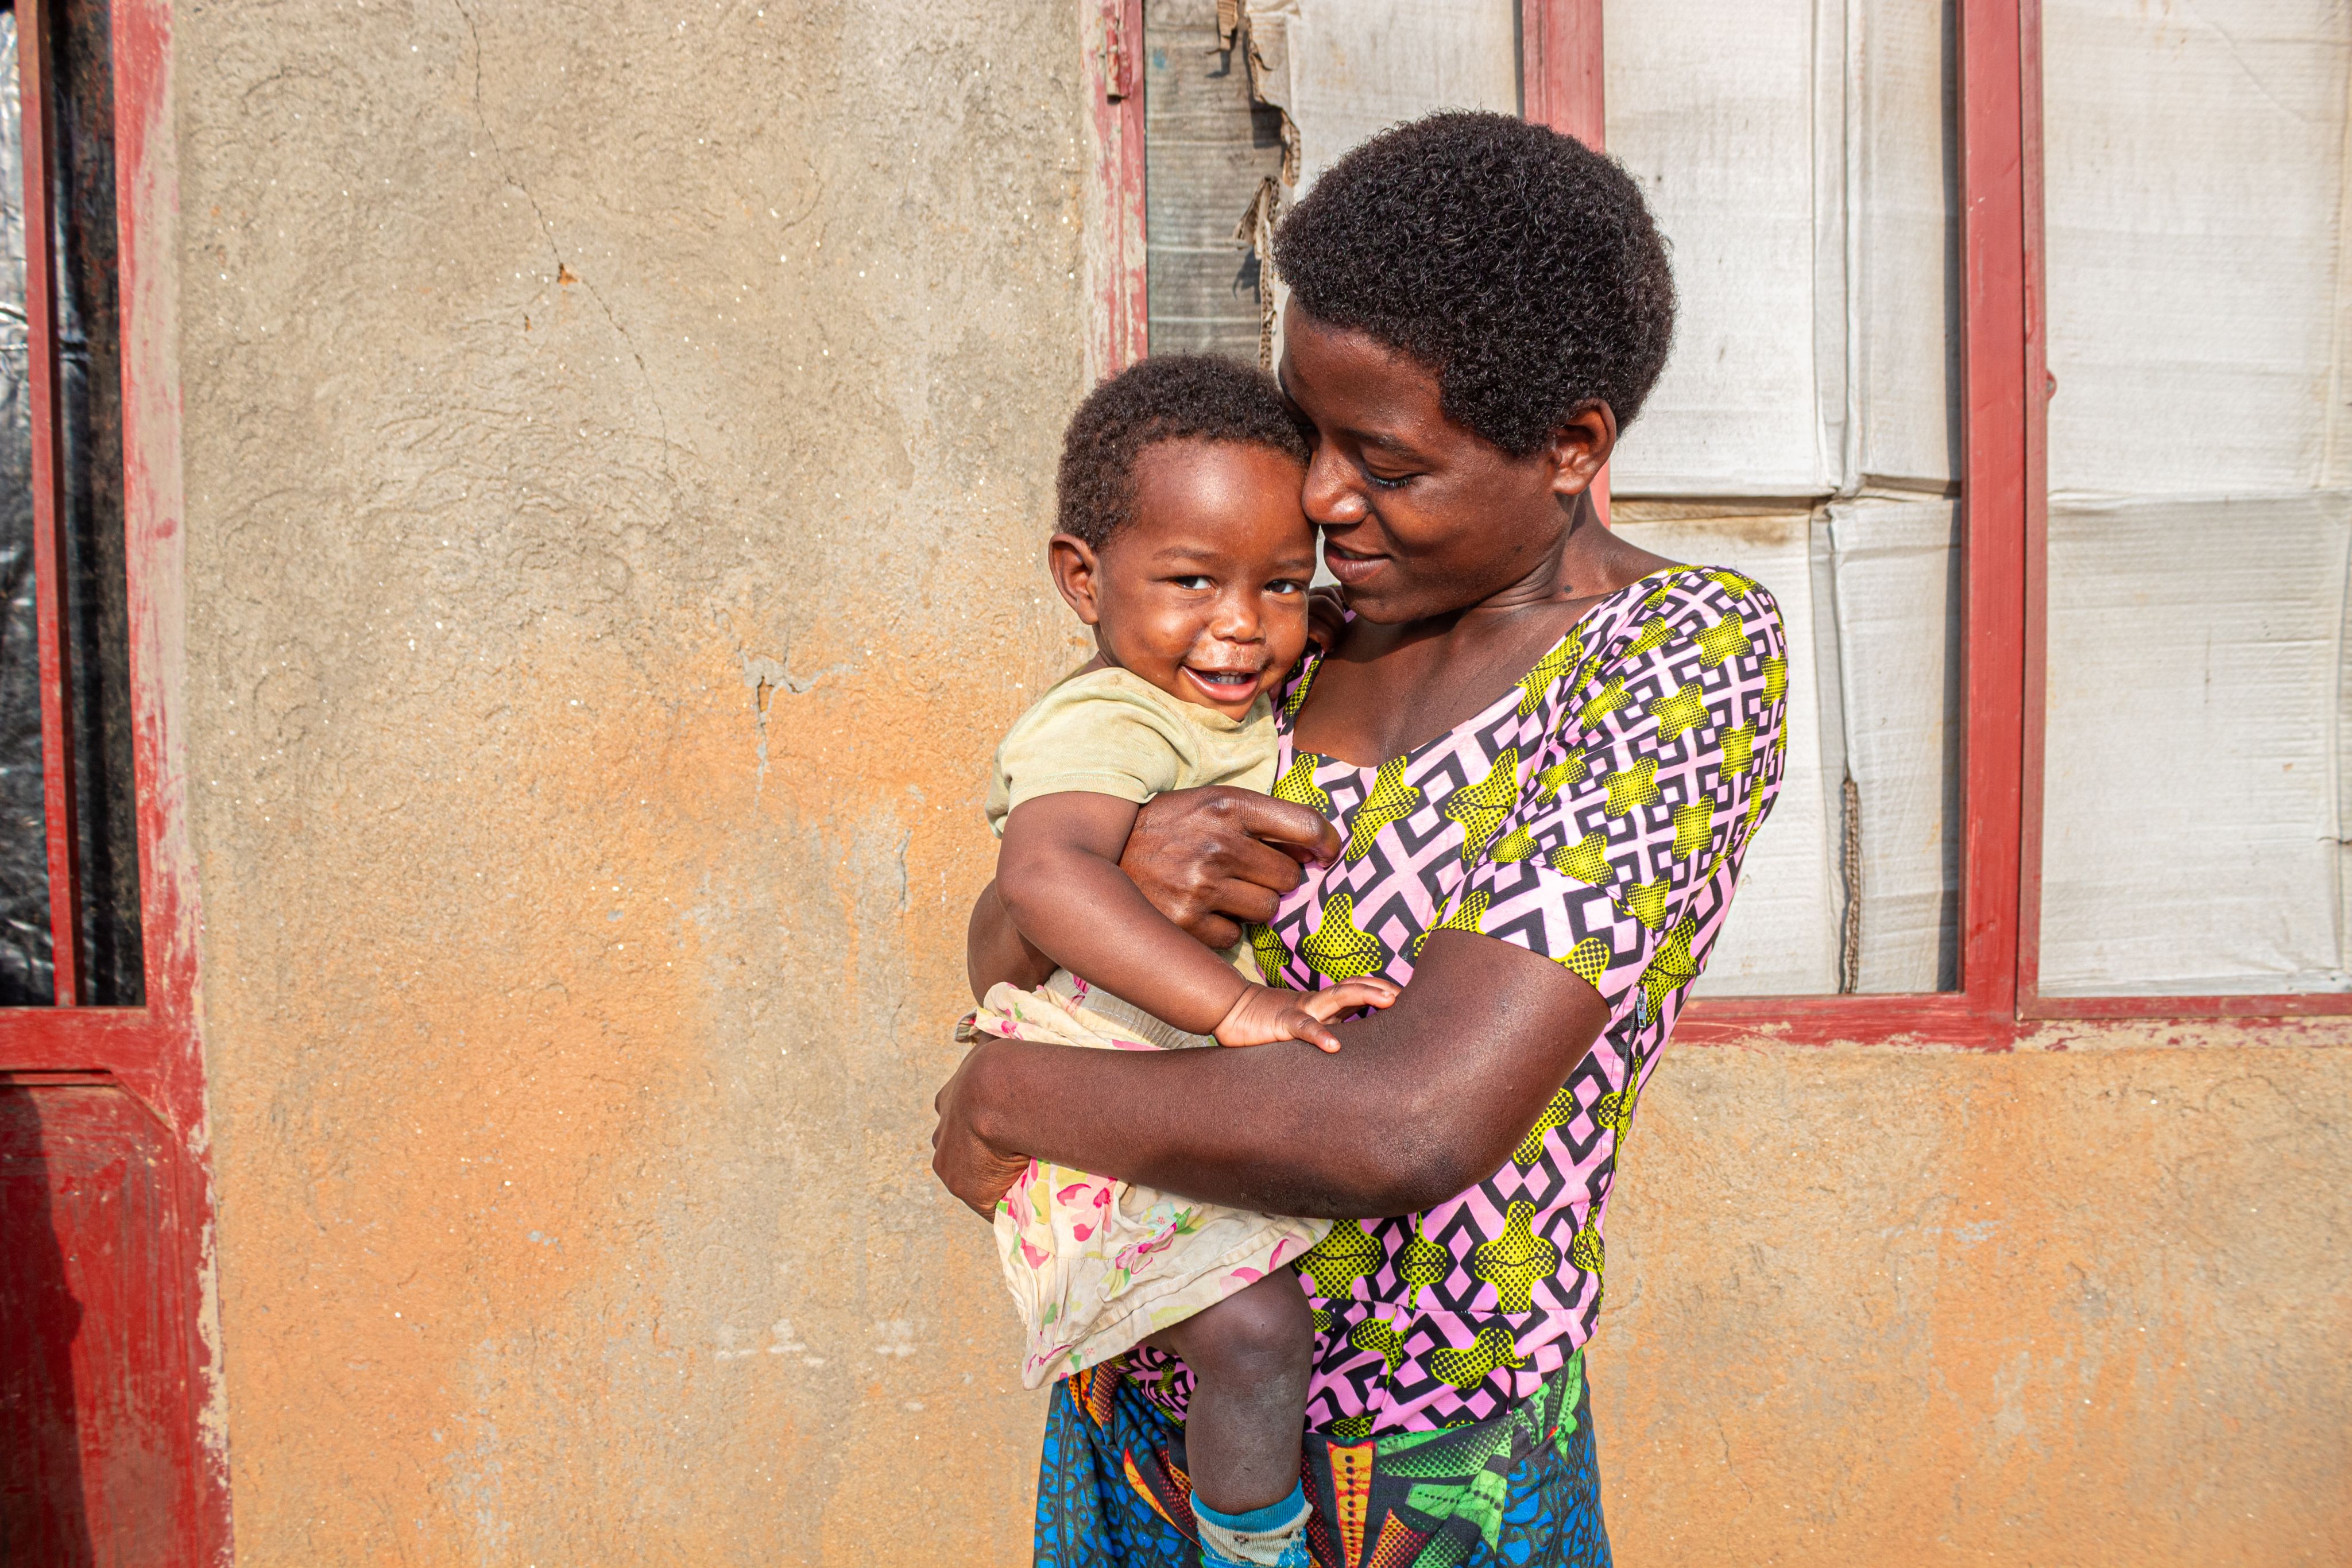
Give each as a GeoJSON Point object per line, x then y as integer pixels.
{"type": "Point", "coordinates": [1077, 571]}
{"type": "Point", "coordinates": [1579, 447]}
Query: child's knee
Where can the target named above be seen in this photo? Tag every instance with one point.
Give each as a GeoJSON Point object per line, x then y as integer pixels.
{"type": "Point", "coordinates": [1264, 1331]}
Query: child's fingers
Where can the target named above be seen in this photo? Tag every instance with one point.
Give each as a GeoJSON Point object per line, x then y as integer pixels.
{"type": "Point", "coordinates": [1347, 996]}
{"type": "Point", "coordinates": [1304, 1025]}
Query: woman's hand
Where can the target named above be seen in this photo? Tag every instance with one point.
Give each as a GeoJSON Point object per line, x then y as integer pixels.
{"type": "Point", "coordinates": [1211, 858]}
{"type": "Point", "coordinates": [967, 1165]}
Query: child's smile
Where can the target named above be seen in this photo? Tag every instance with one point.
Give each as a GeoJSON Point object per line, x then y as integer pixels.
{"type": "Point", "coordinates": [1204, 592]}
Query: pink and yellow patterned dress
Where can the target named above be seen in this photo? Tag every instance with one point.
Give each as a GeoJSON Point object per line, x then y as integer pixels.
{"type": "Point", "coordinates": [1596, 814]}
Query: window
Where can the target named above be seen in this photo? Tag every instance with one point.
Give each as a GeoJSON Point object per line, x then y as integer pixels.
{"type": "Point", "coordinates": [1846, 415]}
{"type": "Point", "coordinates": [1806, 431]}
{"type": "Point", "coordinates": [2191, 799]}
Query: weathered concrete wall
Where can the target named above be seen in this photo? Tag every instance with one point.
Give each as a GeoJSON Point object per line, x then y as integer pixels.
{"type": "Point", "coordinates": [618, 437]}
{"type": "Point", "coordinates": [618, 441]}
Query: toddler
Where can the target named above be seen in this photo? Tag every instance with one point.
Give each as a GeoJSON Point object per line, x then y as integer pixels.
{"type": "Point", "coordinates": [1182, 545]}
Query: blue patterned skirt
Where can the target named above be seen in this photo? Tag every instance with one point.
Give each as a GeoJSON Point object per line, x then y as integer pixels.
{"type": "Point", "coordinates": [1520, 1489]}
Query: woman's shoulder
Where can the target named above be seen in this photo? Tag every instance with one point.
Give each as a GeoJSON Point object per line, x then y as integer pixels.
{"type": "Point", "coordinates": [1681, 602]}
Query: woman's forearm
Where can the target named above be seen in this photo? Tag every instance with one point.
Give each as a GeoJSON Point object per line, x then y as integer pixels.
{"type": "Point", "coordinates": [1236, 1127]}
{"type": "Point", "coordinates": [1421, 1101]}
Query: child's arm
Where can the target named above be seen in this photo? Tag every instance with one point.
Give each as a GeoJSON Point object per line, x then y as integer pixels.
{"type": "Point", "coordinates": [1057, 876]}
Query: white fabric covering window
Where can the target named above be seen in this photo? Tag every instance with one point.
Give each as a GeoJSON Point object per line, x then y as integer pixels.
{"type": "Point", "coordinates": [1801, 159]}
{"type": "Point", "coordinates": [2201, 517]}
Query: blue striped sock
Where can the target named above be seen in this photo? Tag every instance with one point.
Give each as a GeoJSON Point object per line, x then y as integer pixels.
{"type": "Point", "coordinates": [1274, 1536]}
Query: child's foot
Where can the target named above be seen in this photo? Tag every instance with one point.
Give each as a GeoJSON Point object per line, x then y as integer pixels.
{"type": "Point", "coordinates": [1274, 1536]}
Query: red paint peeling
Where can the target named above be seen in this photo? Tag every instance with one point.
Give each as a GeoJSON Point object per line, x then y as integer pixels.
{"type": "Point", "coordinates": [1122, 326]}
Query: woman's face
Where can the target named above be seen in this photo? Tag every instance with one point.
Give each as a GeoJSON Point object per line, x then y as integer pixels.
{"type": "Point", "coordinates": [1421, 516]}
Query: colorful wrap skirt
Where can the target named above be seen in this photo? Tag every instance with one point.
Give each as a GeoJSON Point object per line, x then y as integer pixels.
{"type": "Point", "coordinates": [1520, 1489]}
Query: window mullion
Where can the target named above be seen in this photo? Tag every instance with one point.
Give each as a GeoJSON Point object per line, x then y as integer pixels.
{"type": "Point", "coordinates": [1561, 86]}
{"type": "Point", "coordinates": [1997, 252]}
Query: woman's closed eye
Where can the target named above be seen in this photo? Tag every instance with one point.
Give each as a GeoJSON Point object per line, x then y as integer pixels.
{"type": "Point", "coordinates": [1388, 481]}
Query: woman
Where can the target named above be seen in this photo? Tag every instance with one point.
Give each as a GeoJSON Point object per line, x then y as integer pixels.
{"type": "Point", "coordinates": [1523, 782]}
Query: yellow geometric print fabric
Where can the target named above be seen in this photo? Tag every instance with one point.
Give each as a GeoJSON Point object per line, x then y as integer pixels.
{"type": "Point", "coordinates": [1597, 813]}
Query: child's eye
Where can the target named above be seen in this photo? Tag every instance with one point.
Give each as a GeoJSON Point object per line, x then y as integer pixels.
{"type": "Point", "coordinates": [1192, 583]}
{"type": "Point", "coordinates": [1286, 585]}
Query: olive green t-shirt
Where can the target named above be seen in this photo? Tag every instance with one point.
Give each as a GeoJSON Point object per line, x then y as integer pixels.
{"type": "Point", "coordinates": [1108, 732]}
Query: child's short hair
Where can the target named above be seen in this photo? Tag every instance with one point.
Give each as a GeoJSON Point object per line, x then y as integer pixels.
{"type": "Point", "coordinates": [1519, 264]}
{"type": "Point", "coordinates": [1173, 397]}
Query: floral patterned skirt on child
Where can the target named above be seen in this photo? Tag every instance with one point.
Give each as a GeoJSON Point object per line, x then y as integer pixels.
{"type": "Point", "coordinates": [1096, 1265]}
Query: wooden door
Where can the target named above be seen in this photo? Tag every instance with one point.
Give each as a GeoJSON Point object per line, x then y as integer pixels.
{"type": "Point", "coordinates": [110, 1455]}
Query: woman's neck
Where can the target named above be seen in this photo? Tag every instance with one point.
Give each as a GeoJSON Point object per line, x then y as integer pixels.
{"type": "Point", "coordinates": [1588, 561]}
{"type": "Point", "coordinates": [1391, 689]}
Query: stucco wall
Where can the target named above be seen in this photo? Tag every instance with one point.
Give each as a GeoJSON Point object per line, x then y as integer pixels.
{"type": "Point", "coordinates": [619, 439]}
{"type": "Point", "coordinates": [2086, 1305]}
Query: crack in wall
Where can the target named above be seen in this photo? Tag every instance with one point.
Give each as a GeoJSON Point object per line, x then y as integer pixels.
{"type": "Point", "coordinates": [563, 273]}
{"type": "Point", "coordinates": [763, 677]}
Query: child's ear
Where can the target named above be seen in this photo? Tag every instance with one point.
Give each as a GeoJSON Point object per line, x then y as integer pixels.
{"type": "Point", "coordinates": [1579, 447]}
{"type": "Point", "coordinates": [1077, 571]}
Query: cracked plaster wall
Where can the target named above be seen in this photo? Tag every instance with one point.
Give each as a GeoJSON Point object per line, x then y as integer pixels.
{"type": "Point", "coordinates": [618, 441]}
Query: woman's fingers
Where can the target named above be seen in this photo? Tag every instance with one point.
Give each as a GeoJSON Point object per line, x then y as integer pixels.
{"type": "Point", "coordinates": [1255, 862]}
{"type": "Point", "coordinates": [1206, 858]}
{"type": "Point", "coordinates": [1287, 822]}
{"type": "Point", "coordinates": [977, 1175]}
{"type": "Point", "coordinates": [1211, 930]}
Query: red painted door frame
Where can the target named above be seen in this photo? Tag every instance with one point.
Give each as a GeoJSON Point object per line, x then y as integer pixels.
{"type": "Point", "coordinates": [152, 1053]}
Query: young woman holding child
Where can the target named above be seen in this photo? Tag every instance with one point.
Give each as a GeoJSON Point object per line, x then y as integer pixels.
{"type": "Point", "coordinates": [1518, 787]}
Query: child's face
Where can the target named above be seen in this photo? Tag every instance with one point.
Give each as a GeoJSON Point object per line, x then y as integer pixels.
{"type": "Point", "coordinates": [1204, 592]}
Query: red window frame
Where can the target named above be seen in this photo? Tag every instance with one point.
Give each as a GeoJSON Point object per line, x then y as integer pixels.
{"type": "Point", "coordinates": [2004, 486]}
{"type": "Point", "coordinates": [152, 1052]}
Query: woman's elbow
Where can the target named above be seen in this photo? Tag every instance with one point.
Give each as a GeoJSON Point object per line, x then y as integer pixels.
{"type": "Point", "coordinates": [1409, 1176]}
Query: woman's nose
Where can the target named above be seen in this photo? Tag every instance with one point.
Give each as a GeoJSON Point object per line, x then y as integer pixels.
{"type": "Point", "coordinates": [1329, 496]}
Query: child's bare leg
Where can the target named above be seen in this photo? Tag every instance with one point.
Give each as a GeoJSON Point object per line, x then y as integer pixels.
{"type": "Point", "coordinates": [1250, 1357]}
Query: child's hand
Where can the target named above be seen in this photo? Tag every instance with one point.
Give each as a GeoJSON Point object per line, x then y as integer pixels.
{"type": "Point", "coordinates": [1264, 1015]}
{"type": "Point", "coordinates": [1326, 616]}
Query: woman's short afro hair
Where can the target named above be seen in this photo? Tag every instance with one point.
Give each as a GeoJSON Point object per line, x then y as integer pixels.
{"type": "Point", "coordinates": [1519, 264]}
{"type": "Point", "coordinates": [1175, 397]}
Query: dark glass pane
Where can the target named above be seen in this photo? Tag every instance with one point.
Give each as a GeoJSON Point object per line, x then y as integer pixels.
{"type": "Point", "coordinates": [97, 617]}
{"type": "Point", "coordinates": [25, 977]}
{"type": "Point", "coordinates": [90, 379]}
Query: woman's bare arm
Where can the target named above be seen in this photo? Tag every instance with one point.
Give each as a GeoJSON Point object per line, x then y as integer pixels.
{"type": "Point", "coordinates": [1425, 1098]}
